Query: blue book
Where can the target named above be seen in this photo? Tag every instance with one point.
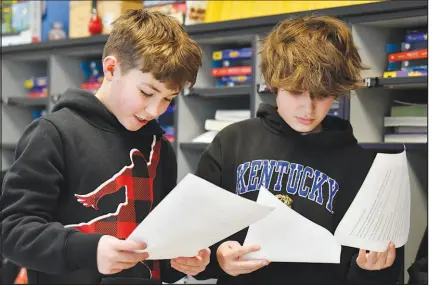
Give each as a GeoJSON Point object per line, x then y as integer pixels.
{"type": "Point", "coordinates": [414, 37]}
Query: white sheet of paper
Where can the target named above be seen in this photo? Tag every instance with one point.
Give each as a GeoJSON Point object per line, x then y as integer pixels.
{"type": "Point", "coordinates": [195, 215]}
{"type": "Point", "coordinates": [380, 212]}
{"type": "Point", "coordinates": [286, 236]}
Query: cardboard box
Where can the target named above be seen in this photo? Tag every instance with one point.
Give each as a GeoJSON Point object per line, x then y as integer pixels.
{"type": "Point", "coordinates": [80, 12]}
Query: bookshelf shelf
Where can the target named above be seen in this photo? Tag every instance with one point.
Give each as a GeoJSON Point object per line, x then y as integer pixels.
{"type": "Point", "coordinates": [26, 101]}
{"type": "Point", "coordinates": [8, 146]}
{"type": "Point", "coordinates": [387, 147]}
{"type": "Point", "coordinates": [243, 90]}
{"type": "Point", "coordinates": [416, 82]}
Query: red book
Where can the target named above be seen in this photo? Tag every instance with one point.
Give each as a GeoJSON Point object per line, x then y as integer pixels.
{"type": "Point", "coordinates": [410, 55]}
{"type": "Point", "coordinates": [231, 71]}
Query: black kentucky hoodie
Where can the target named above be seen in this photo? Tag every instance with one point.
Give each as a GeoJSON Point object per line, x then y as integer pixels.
{"type": "Point", "coordinates": [79, 174]}
{"type": "Point", "coordinates": [317, 175]}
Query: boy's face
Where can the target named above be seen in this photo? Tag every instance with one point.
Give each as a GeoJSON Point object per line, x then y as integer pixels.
{"type": "Point", "coordinates": [301, 112]}
{"type": "Point", "coordinates": [136, 98]}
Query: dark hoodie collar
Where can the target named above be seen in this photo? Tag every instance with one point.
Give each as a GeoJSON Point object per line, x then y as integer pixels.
{"type": "Point", "coordinates": [336, 132]}
{"type": "Point", "coordinates": [91, 108]}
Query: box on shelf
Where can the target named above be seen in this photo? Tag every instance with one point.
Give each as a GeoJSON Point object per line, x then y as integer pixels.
{"type": "Point", "coordinates": [21, 22]}
{"type": "Point", "coordinates": [80, 11]}
{"type": "Point", "coordinates": [176, 10]}
{"type": "Point", "coordinates": [55, 12]}
{"type": "Point", "coordinates": [196, 12]}
{"type": "Point", "coordinates": [37, 87]}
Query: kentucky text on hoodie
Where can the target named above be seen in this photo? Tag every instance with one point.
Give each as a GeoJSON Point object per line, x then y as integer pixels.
{"type": "Point", "coordinates": [262, 171]}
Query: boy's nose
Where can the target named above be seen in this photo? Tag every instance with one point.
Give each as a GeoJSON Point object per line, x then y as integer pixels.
{"type": "Point", "coordinates": [309, 104]}
{"type": "Point", "coordinates": [152, 109]}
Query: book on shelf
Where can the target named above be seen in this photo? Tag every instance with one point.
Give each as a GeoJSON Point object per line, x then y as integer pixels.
{"type": "Point", "coordinates": [206, 137]}
{"type": "Point", "coordinates": [232, 115]}
{"type": "Point", "coordinates": [402, 73]}
{"type": "Point", "coordinates": [405, 138]}
{"type": "Point", "coordinates": [415, 36]}
{"type": "Point", "coordinates": [217, 125]}
{"type": "Point", "coordinates": [397, 121]}
{"type": "Point", "coordinates": [222, 119]}
{"type": "Point", "coordinates": [410, 130]}
{"type": "Point", "coordinates": [417, 110]}
{"type": "Point", "coordinates": [409, 55]}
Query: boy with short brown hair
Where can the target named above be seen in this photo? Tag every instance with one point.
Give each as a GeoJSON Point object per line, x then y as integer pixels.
{"type": "Point", "coordinates": [88, 173]}
{"type": "Point", "coordinates": [309, 160]}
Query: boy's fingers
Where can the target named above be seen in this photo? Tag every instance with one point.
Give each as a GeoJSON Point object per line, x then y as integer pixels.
{"type": "Point", "coordinates": [381, 260]}
{"type": "Point", "coordinates": [372, 258]}
{"type": "Point", "coordinates": [362, 257]}
{"type": "Point", "coordinates": [189, 266]}
{"type": "Point", "coordinates": [390, 256]}
{"type": "Point", "coordinates": [185, 269]}
{"type": "Point", "coordinates": [129, 257]}
{"type": "Point", "coordinates": [204, 253]}
{"type": "Point", "coordinates": [244, 250]}
{"type": "Point", "coordinates": [129, 245]}
{"type": "Point", "coordinates": [190, 261]}
{"type": "Point", "coordinates": [248, 265]}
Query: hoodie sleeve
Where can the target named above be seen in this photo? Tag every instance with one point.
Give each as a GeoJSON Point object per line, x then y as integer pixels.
{"type": "Point", "coordinates": [31, 188]}
{"type": "Point", "coordinates": [169, 274]}
{"type": "Point", "coordinates": [209, 168]}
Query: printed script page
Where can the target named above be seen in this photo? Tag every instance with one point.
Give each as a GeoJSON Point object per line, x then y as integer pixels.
{"type": "Point", "coordinates": [195, 215]}
{"type": "Point", "coordinates": [380, 213]}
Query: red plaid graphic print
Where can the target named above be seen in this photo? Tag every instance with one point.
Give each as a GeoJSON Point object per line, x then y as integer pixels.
{"type": "Point", "coordinates": [139, 198]}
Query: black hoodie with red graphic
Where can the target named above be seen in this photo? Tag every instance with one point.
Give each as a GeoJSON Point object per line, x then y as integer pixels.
{"type": "Point", "coordinates": [79, 174]}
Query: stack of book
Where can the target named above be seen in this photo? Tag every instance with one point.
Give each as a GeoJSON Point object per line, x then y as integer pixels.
{"type": "Point", "coordinates": [407, 123]}
{"type": "Point", "coordinates": [408, 58]}
{"type": "Point", "coordinates": [232, 67]}
{"type": "Point", "coordinates": [223, 118]}
{"type": "Point", "coordinates": [37, 87]}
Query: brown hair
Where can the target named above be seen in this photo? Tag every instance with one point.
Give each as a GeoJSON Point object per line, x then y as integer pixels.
{"type": "Point", "coordinates": [155, 43]}
{"type": "Point", "coordinates": [313, 53]}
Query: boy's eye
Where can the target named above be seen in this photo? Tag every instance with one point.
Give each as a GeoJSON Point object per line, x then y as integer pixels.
{"type": "Point", "coordinates": [145, 94]}
{"type": "Point", "coordinates": [168, 99]}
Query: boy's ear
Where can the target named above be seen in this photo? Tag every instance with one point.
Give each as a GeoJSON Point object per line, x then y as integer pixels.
{"type": "Point", "coordinates": [109, 65]}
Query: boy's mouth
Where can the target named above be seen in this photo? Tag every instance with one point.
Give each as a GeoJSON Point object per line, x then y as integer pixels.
{"type": "Point", "coordinates": [141, 120]}
{"type": "Point", "coordinates": [305, 121]}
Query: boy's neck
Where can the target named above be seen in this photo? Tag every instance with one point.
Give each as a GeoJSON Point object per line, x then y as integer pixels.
{"type": "Point", "coordinates": [100, 94]}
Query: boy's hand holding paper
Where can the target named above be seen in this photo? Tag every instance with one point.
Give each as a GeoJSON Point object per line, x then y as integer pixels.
{"type": "Point", "coordinates": [376, 261]}
{"type": "Point", "coordinates": [229, 256]}
{"type": "Point", "coordinates": [114, 255]}
{"type": "Point", "coordinates": [192, 265]}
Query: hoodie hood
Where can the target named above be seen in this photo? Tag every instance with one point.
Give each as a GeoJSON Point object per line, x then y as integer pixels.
{"type": "Point", "coordinates": [336, 132]}
{"type": "Point", "coordinates": [91, 108]}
